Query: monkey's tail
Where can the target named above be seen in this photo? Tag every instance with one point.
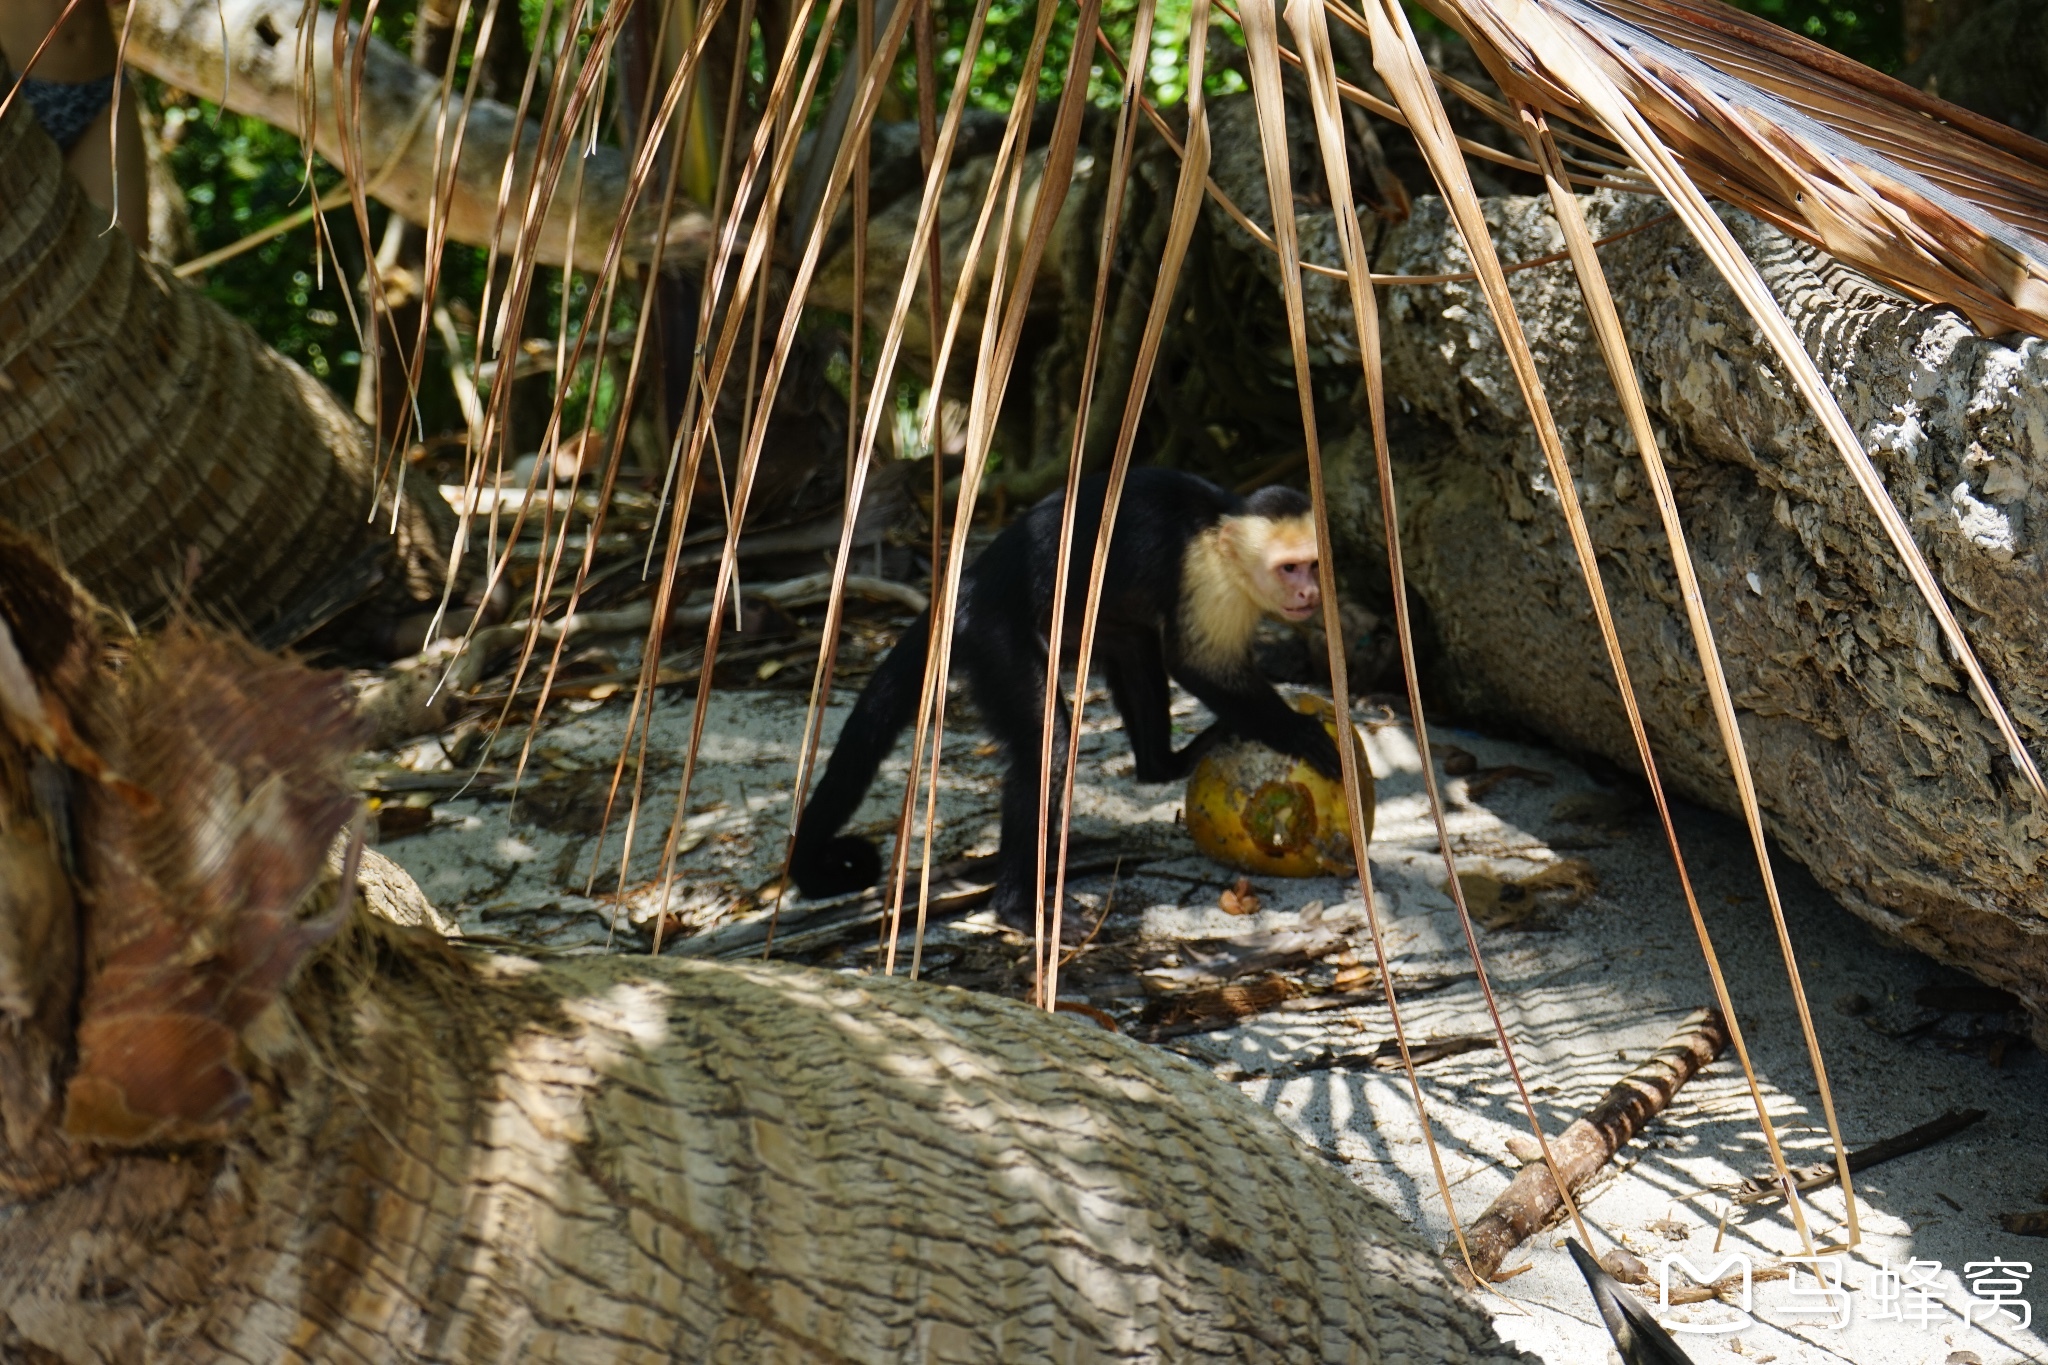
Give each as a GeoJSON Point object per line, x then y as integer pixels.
{"type": "Point", "coordinates": [824, 862]}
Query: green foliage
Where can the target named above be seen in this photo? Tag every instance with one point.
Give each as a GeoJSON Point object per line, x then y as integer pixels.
{"type": "Point", "coordinates": [1006, 44]}
{"type": "Point", "coordinates": [1870, 31]}
{"type": "Point", "coordinates": [240, 174]}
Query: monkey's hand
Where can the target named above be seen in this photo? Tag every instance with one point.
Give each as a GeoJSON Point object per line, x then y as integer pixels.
{"type": "Point", "coordinates": [1175, 766]}
{"type": "Point", "coordinates": [1312, 744]}
{"type": "Point", "coordinates": [1294, 734]}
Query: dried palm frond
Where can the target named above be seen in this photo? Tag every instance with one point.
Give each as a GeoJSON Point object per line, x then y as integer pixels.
{"type": "Point", "coordinates": [1677, 96]}
{"type": "Point", "coordinates": [2004, 171]}
{"type": "Point", "coordinates": [1929, 205]}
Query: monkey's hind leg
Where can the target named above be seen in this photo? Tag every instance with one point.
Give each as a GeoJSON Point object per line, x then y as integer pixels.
{"type": "Point", "coordinates": [1008, 678]}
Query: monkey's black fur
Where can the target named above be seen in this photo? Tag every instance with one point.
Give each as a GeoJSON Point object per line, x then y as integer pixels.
{"type": "Point", "coordinates": [1000, 640]}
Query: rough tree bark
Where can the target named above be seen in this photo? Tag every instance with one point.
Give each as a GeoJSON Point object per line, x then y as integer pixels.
{"type": "Point", "coordinates": [415, 1152]}
{"type": "Point", "coordinates": [891, 229]}
{"type": "Point", "coordinates": [247, 55]}
{"type": "Point", "coordinates": [147, 434]}
{"type": "Point", "coordinates": [480, 1158]}
{"type": "Point", "coordinates": [1877, 769]}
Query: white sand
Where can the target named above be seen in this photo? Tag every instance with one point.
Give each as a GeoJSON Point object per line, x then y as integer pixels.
{"type": "Point", "coordinates": [1584, 999]}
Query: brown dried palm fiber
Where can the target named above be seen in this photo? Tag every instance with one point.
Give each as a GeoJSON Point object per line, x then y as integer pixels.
{"type": "Point", "coordinates": [139, 423]}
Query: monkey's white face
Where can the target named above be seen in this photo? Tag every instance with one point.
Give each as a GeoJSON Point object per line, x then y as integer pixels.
{"type": "Point", "coordinates": [1297, 593]}
{"type": "Point", "coordinates": [1280, 562]}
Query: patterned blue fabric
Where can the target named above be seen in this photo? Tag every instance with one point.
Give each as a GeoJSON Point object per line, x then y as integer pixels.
{"type": "Point", "coordinates": [65, 108]}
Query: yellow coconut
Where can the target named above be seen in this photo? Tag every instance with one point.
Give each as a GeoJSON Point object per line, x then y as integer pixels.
{"type": "Point", "coordinates": [1263, 812]}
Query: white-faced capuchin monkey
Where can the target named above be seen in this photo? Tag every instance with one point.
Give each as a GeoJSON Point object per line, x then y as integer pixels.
{"type": "Point", "coordinates": [1191, 570]}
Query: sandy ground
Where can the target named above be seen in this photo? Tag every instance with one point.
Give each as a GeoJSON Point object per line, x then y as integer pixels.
{"type": "Point", "coordinates": [1586, 990]}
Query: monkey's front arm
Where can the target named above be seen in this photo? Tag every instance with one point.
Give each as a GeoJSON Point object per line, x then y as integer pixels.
{"type": "Point", "coordinates": [1247, 706]}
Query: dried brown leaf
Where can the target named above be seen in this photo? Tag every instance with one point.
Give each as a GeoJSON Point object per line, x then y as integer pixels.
{"type": "Point", "coordinates": [1498, 902]}
{"type": "Point", "coordinates": [1211, 1006]}
{"type": "Point", "coordinates": [194, 922]}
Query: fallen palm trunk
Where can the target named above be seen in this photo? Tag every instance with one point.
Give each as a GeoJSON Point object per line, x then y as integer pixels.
{"type": "Point", "coordinates": [1875, 766]}
{"type": "Point", "coordinates": [1531, 1200]}
{"type": "Point", "coordinates": [246, 54]}
{"type": "Point", "coordinates": [164, 448]}
{"type": "Point", "coordinates": [291, 1129]}
{"type": "Point", "coordinates": [651, 1161]}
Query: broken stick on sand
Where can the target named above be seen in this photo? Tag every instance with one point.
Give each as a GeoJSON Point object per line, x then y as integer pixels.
{"type": "Point", "coordinates": [1582, 1149]}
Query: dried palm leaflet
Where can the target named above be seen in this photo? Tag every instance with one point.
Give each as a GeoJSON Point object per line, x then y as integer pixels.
{"type": "Point", "coordinates": [992, 375]}
{"type": "Point", "coordinates": [1614, 349]}
{"type": "Point", "coordinates": [679, 93]}
{"type": "Point", "coordinates": [1262, 47]}
{"type": "Point", "coordinates": [447, 156]}
{"type": "Point", "coordinates": [1919, 198]}
{"type": "Point", "coordinates": [1352, 94]}
{"type": "Point", "coordinates": [762, 397]}
{"type": "Point", "coordinates": [2001, 170]}
{"type": "Point", "coordinates": [1392, 38]}
{"type": "Point", "coordinates": [1609, 169]}
{"type": "Point", "coordinates": [705, 389]}
{"type": "Point", "coordinates": [1187, 203]}
{"type": "Point", "coordinates": [544, 477]}
{"type": "Point", "coordinates": [1006, 171]}
{"type": "Point", "coordinates": [923, 237]}
{"type": "Point", "coordinates": [345, 75]}
{"type": "Point", "coordinates": [778, 100]}
{"type": "Point", "coordinates": [641, 715]}
{"type": "Point", "coordinates": [1045, 966]}
{"type": "Point", "coordinates": [564, 110]}
{"type": "Point", "coordinates": [478, 442]}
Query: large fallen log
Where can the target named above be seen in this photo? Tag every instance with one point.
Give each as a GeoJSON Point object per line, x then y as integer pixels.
{"type": "Point", "coordinates": [1876, 767]}
{"type": "Point", "coordinates": [244, 1117]}
{"type": "Point", "coordinates": [165, 450]}
{"type": "Point", "coordinates": [248, 55]}
{"type": "Point", "coordinates": [890, 232]}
